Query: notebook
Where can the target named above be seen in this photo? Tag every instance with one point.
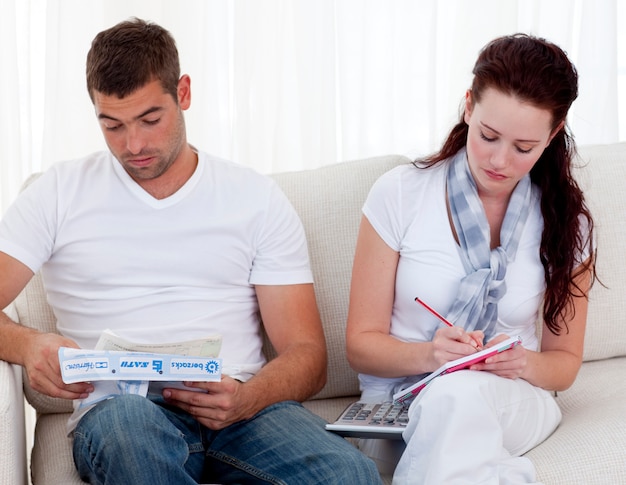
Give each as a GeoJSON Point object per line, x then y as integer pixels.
{"type": "Point", "coordinates": [388, 419]}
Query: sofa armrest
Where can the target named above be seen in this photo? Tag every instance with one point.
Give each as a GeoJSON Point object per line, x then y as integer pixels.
{"type": "Point", "coordinates": [12, 426]}
{"type": "Point", "coordinates": [13, 464]}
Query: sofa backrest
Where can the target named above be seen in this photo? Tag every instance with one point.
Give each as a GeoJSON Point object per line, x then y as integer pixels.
{"type": "Point", "coordinates": [329, 201]}
{"type": "Point", "coordinates": [602, 176]}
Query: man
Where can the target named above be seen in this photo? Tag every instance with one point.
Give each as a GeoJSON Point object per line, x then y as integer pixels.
{"type": "Point", "coordinates": [160, 242]}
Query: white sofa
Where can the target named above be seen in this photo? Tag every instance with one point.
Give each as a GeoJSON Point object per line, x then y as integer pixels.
{"type": "Point", "coordinates": [589, 447]}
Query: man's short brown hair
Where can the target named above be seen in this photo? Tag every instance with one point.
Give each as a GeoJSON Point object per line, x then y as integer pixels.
{"type": "Point", "coordinates": [129, 55]}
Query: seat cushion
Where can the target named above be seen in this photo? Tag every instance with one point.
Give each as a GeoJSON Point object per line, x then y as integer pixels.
{"type": "Point", "coordinates": [589, 442]}
{"type": "Point", "coordinates": [51, 459]}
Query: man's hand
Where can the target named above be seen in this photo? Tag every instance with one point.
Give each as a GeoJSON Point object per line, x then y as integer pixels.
{"type": "Point", "coordinates": [41, 362]}
{"type": "Point", "coordinates": [37, 352]}
{"type": "Point", "coordinates": [216, 406]}
{"type": "Point", "coordinates": [291, 320]}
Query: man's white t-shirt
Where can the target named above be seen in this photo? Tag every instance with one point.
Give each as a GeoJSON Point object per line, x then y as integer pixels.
{"type": "Point", "coordinates": [407, 208]}
{"type": "Point", "coordinates": [180, 268]}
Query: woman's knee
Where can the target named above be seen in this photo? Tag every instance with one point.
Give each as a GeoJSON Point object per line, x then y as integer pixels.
{"type": "Point", "coordinates": [465, 383]}
{"type": "Point", "coordinates": [454, 390]}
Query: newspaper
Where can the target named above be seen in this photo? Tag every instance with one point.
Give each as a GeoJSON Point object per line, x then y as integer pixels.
{"type": "Point", "coordinates": [137, 365]}
{"type": "Point", "coordinates": [206, 347]}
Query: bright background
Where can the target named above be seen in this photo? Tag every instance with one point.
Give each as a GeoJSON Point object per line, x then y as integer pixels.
{"type": "Point", "coordinates": [285, 85]}
{"type": "Point", "coordinates": [293, 84]}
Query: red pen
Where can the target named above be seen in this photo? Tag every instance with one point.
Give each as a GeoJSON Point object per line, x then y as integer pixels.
{"type": "Point", "coordinates": [440, 317]}
{"type": "Point", "coordinates": [421, 302]}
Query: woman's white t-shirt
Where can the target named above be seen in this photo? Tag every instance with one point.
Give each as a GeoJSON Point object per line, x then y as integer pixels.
{"type": "Point", "coordinates": [407, 208]}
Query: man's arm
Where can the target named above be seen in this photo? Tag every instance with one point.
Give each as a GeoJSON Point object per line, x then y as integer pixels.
{"type": "Point", "coordinates": [293, 325]}
{"type": "Point", "coordinates": [35, 351]}
{"type": "Point", "coordinates": [292, 322]}
{"type": "Point", "coordinates": [13, 278]}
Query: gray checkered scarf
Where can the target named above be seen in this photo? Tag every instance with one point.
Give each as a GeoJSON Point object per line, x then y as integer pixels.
{"type": "Point", "coordinates": [476, 305]}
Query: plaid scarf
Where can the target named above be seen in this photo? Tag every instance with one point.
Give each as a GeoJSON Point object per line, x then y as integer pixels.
{"type": "Point", "coordinates": [476, 305]}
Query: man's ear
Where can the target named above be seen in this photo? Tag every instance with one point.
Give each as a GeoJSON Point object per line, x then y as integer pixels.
{"type": "Point", "coordinates": [184, 92]}
{"type": "Point", "coordinates": [469, 106]}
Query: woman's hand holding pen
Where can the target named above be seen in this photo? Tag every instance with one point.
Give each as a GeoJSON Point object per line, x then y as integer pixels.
{"type": "Point", "coordinates": [451, 343]}
{"type": "Point", "coordinates": [454, 342]}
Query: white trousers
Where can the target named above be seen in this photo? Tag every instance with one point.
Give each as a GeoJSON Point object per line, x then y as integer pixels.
{"type": "Point", "coordinates": [470, 428]}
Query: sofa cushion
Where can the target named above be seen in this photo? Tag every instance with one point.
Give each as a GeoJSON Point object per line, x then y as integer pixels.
{"type": "Point", "coordinates": [593, 427]}
{"type": "Point", "coordinates": [51, 458]}
{"type": "Point", "coordinates": [602, 176]}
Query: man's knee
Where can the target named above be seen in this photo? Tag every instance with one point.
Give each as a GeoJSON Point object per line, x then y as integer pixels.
{"type": "Point", "coordinates": [354, 467]}
{"type": "Point", "coordinates": [120, 413]}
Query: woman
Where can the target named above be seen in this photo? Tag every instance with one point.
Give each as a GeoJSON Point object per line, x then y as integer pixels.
{"type": "Point", "coordinates": [493, 232]}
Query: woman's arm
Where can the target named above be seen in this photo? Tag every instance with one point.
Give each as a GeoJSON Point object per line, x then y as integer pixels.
{"type": "Point", "coordinates": [555, 367]}
{"type": "Point", "coordinates": [371, 349]}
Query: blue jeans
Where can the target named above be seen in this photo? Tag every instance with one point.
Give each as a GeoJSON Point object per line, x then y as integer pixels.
{"type": "Point", "coordinates": [133, 440]}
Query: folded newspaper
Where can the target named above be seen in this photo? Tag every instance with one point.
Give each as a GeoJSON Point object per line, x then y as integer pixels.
{"type": "Point", "coordinates": [204, 347]}
{"type": "Point", "coordinates": [117, 366]}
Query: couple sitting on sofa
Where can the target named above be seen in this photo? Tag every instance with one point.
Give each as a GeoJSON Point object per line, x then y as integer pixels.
{"type": "Point", "coordinates": [492, 228]}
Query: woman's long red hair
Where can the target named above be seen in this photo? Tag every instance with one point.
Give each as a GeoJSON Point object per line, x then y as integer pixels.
{"type": "Point", "coordinates": [538, 72]}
